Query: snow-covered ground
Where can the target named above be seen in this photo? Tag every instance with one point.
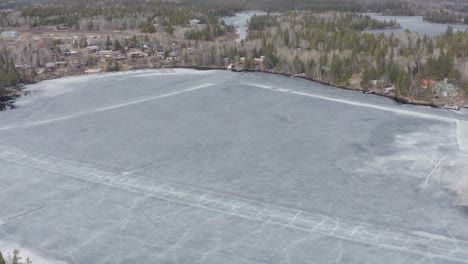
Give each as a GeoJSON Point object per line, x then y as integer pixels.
{"type": "Point", "coordinates": [222, 167]}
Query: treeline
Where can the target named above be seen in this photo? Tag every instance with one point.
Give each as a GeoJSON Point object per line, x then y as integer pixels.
{"type": "Point", "coordinates": [395, 8]}
{"type": "Point", "coordinates": [331, 47]}
{"type": "Point", "coordinates": [12, 4]}
{"type": "Point", "coordinates": [209, 32]}
{"type": "Point", "coordinates": [446, 17]}
{"type": "Point", "coordinates": [120, 14]}
{"type": "Point", "coordinates": [132, 14]}
{"type": "Point", "coordinates": [9, 76]}
{"type": "Point", "coordinates": [15, 259]}
{"type": "Point", "coordinates": [332, 21]}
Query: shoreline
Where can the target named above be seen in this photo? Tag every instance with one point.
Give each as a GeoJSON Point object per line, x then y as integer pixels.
{"type": "Point", "coordinates": [398, 100]}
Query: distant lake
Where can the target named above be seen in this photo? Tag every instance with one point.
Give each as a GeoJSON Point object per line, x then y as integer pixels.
{"type": "Point", "coordinates": [240, 21]}
{"type": "Point", "coordinates": [415, 24]}
{"type": "Point", "coordinates": [412, 23]}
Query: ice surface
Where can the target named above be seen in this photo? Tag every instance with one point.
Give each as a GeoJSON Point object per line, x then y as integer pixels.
{"type": "Point", "coordinates": [221, 167]}
{"type": "Point", "coordinates": [415, 24]}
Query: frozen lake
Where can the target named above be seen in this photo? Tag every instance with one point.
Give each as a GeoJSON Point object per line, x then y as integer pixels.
{"type": "Point", "coordinates": [223, 167]}
{"type": "Point", "coordinates": [415, 24]}
{"type": "Point", "coordinates": [240, 21]}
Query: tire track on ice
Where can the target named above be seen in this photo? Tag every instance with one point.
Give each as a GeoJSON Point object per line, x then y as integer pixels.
{"type": "Point", "coordinates": [413, 242]}
{"type": "Point", "coordinates": [105, 108]}
{"type": "Point", "coordinates": [360, 104]}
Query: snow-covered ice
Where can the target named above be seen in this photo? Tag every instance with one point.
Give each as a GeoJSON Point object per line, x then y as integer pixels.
{"type": "Point", "coordinates": [222, 167]}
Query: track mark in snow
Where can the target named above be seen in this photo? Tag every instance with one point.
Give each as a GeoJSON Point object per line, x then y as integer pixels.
{"type": "Point", "coordinates": [101, 109]}
{"type": "Point", "coordinates": [411, 241]}
{"type": "Point", "coordinates": [354, 103]}
{"type": "Point", "coordinates": [436, 166]}
{"type": "Point", "coordinates": [30, 212]}
{"type": "Point", "coordinates": [150, 98]}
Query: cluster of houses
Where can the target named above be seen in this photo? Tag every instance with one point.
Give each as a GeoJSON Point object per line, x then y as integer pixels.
{"type": "Point", "coordinates": [439, 88]}
{"type": "Point", "coordinates": [239, 65]}
{"type": "Point", "coordinates": [80, 49]}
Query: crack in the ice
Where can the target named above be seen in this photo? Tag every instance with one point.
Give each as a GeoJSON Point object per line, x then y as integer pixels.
{"type": "Point", "coordinates": [447, 248]}
{"type": "Point", "coordinates": [434, 169]}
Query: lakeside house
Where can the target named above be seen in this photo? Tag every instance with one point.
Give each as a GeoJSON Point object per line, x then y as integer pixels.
{"type": "Point", "coordinates": [389, 89]}
{"type": "Point", "coordinates": [137, 54]}
{"type": "Point", "coordinates": [427, 83]}
{"type": "Point", "coordinates": [50, 66]}
{"type": "Point", "coordinates": [92, 49]}
{"type": "Point", "coordinates": [119, 56]}
{"type": "Point", "coordinates": [194, 22]}
{"type": "Point", "coordinates": [160, 54]}
{"type": "Point", "coordinates": [23, 66]}
{"type": "Point", "coordinates": [447, 89]}
{"type": "Point", "coordinates": [104, 52]}
{"type": "Point", "coordinates": [259, 61]}
{"type": "Point", "coordinates": [377, 83]}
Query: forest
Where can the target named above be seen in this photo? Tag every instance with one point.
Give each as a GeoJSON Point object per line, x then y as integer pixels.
{"type": "Point", "coordinates": [446, 17]}
{"type": "Point", "coordinates": [126, 14]}
{"type": "Point", "coordinates": [329, 47]}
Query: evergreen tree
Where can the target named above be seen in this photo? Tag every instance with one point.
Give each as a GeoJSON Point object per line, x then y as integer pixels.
{"type": "Point", "coordinates": [108, 42]}
{"type": "Point", "coordinates": [118, 46]}
{"type": "Point", "coordinates": [149, 28]}
{"type": "Point", "coordinates": [16, 257]}
{"type": "Point", "coordinates": [2, 260]}
{"type": "Point", "coordinates": [286, 37]}
{"type": "Point", "coordinates": [270, 60]}
{"type": "Point", "coordinates": [336, 68]}
{"type": "Point", "coordinates": [403, 82]}
{"type": "Point", "coordinates": [298, 65]}
{"type": "Point", "coordinates": [9, 76]}
{"type": "Point", "coordinates": [249, 63]}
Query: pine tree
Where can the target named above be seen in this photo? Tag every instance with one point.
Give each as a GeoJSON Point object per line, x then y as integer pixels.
{"type": "Point", "coordinates": [249, 63]}
{"type": "Point", "coordinates": [2, 260]}
{"type": "Point", "coordinates": [402, 83]}
{"type": "Point", "coordinates": [298, 65]}
{"type": "Point", "coordinates": [335, 68]}
{"type": "Point", "coordinates": [108, 43]}
{"type": "Point", "coordinates": [16, 257]}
